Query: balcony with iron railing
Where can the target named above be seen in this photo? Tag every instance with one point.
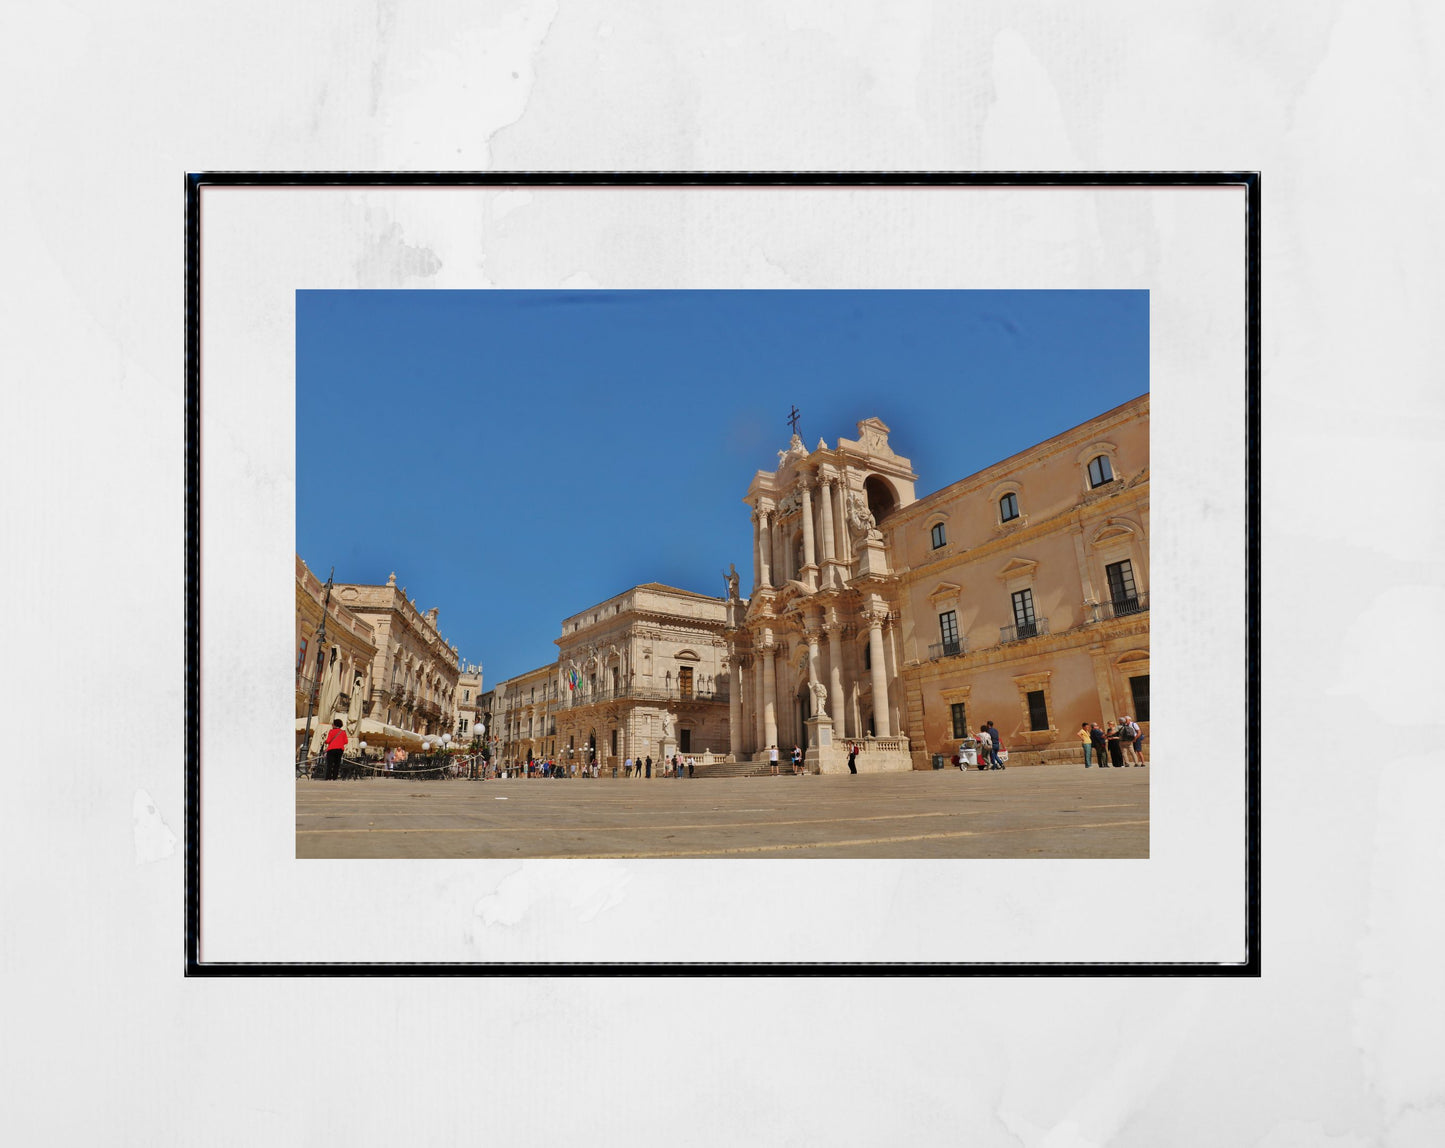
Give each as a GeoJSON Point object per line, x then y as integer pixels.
{"type": "Point", "coordinates": [584, 697]}
{"type": "Point", "coordinates": [1022, 631]}
{"type": "Point", "coordinates": [1120, 607]}
{"type": "Point", "coordinates": [952, 649]}
{"type": "Point", "coordinates": [305, 683]}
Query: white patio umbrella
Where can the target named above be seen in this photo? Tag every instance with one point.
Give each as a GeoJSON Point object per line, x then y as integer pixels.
{"type": "Point", "coordinates": [358, 705]}
{"type": "Point", "coordinates": [330, 691]}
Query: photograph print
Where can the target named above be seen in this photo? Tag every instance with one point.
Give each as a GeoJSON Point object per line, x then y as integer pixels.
{"type": "Point", "coordinates": [677, 574]}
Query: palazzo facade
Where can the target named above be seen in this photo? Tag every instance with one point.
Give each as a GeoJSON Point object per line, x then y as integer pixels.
{"type": "Point", "coordinates": [1017, 595]}
{"type": "Point", "coordinates": [345, 654]}
{"type": "Point", "coordinates": [414, 676]}
{"type": "Point", "coordinates": [642, 674]}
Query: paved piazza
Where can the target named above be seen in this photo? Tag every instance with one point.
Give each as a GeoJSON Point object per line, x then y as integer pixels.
{"type": "Point", "coordinates": [1043, 811]}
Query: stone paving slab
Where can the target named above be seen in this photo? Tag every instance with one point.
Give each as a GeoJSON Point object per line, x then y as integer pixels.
{"type": "Point", "coordinates": [1046, 811]}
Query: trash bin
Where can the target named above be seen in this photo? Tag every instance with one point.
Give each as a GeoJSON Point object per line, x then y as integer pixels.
{"type": "Point", "coordinates": [938, 760]}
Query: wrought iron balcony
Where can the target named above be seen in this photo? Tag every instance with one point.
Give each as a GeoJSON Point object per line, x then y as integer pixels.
{"type": "Point", "coordinates": [947, 649]}
{"type": "Point", "coordinates": [1118, 607]}
{"type": "Point", "coordinates": [1023, 631]}
{"type": "Point", "coordinates": [584, 697]}
{"type": "Point", "coordinates": [1124, 605]}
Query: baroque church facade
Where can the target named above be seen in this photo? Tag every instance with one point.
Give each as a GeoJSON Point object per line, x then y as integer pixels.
{"type": "Point", "coordinates": [1017, 595]}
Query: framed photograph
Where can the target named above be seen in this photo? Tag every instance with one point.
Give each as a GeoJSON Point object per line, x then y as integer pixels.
{"type": "Point", "coordinates": [723, 574]}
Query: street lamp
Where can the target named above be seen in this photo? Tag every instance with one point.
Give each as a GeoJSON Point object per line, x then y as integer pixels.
{"type": "Point", "coordinates": [478, 729]}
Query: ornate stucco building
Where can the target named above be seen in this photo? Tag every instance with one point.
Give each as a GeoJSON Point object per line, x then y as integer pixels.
{"type": "Point", "coordinates": [645, 674]}
{"type": "Point", "coordinates": [641, 674]}
{"type": "Point", "coordinates": [415, 671]}
{"type": "Point", "coordinates": [1017, 595]}
{"type": "Point", "coordinates": [469, 702]}
{"type": "Point", "coordinates": [524, 716]}
{"type": "Point", "coordinates": [348, 649]}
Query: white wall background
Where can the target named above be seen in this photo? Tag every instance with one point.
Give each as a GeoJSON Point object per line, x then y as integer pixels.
{"type": "Point", "coordinates": [105, 106]}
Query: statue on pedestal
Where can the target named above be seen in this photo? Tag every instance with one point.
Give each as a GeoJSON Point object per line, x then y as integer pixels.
{"type": "Point", "coordinates": [820, 699]}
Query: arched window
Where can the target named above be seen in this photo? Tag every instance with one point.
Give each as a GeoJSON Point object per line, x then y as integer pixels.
{"type": "Point", "coordinates": [1008, 507]}
{"type": "Point", "coordinates": [1100, 471]}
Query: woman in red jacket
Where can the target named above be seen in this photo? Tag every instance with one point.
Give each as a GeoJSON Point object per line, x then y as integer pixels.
{"type": "Point", "coordinates": [335, 742]}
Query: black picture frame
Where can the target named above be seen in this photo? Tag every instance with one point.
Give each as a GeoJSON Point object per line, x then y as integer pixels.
{"type": "Point", "coordinates": [1249, 182]}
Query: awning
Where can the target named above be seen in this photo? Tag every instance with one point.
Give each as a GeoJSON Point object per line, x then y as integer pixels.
{"type": "Point", "coordinates": [377, 735]}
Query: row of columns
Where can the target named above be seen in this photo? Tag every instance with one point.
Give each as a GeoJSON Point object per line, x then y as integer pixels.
{"type": "Point", "coordinates": [756, 722]}
{"type": "Point", "coordinates": [827, 530]}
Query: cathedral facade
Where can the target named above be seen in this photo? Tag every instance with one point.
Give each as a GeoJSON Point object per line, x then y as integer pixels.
{"type": "Point", "coordinates": [1018, 595]}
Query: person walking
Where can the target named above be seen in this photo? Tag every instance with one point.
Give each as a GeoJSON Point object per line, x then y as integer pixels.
{"type": "Point", "coordinates": [773, 760]}
{"type": "Point", "coordinates": [985, 747]}
{"type": "Point", "coordinates": [997, 739]}
{"type": "Point", "coordinates": [1087, 743]}
{"type": "Point", "coordinates": [627, 768]}
{"type": "Point", "coordinates": [647, 764]}
{"type": "Point", "coordinates": [1116, 757]}
{"type": "Point", "coordinates": [1139, 743]}
{"type": "Point", "coordinates": [335, 743]}
{"type": "Point", "coordinates": [852, 757]}
{"type": "Point", "coordinates": [1136, 739]}
{"type": "Point", "coordinates": [691, 766]}
{"type": "Point", "coordinates": [797, 757]}
{"type": "Point", "coordinates": [1096, 740]}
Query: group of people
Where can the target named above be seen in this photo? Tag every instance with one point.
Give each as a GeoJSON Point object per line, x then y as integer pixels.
{"type": "Point", "coordinates": [1121, 744]}
{"type": "Point", "coordinates": [795, 758]}
{"type": "Point", "coordinates": [989, 743]}
{"type": "Point", "coordinates": [636, 768]}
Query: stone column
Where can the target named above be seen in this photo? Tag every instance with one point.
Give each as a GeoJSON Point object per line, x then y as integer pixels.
{"type": "Point", "coordinates": [757, 552]}
{"type": "Point", "coordinates": [735, 707]}
{"type": "Point", "coordinates": [770, 693]}
{"type": "Point", "coordinates": [845, 548]}
{"type": "Point", "coordinates": [813, 678]}
{"type": "Point", "coordinates": [826, 487]}
{"type": "Point", "coordinates": [881, 727]}
{"type": "Point", "coordinates": [765, 535]}
{"type": "Point", "coordinates": [757, 676]}
{"type": "Point", "coordinates": [810, 557]}
{"type": "Point", "coordinates": [890, 658]}
{"type": "Point", "coordinates": [835, 677]}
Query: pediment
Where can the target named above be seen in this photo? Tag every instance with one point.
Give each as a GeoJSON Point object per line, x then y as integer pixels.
{"type": "Point", "coordinates": [943, 591]}
{"type": "Point", "coordinates": [1112, 532]}
{"type": "Point", "coordinates": [1017, 567]}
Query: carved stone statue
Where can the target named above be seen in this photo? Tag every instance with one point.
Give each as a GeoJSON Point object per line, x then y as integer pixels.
{"type": "Point", "coordinates": [731, 578]}
{"type": "Point", "coordinates": [820, 699]}
{"type": "Point", "coordinates": [861, 520]}
{"type": "Point", "coordinates": [666, 727]}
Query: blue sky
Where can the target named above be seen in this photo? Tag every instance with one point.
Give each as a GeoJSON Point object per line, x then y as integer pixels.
{"type": "Point", "coordinates": [516, 456]}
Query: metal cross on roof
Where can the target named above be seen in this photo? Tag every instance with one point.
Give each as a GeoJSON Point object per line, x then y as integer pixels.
{"type": "Point", "coordinates": [793, 417]}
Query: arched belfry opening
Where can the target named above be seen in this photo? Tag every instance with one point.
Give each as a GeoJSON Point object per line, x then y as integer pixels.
{"type": "Point", "coordinates": [882, 501]}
